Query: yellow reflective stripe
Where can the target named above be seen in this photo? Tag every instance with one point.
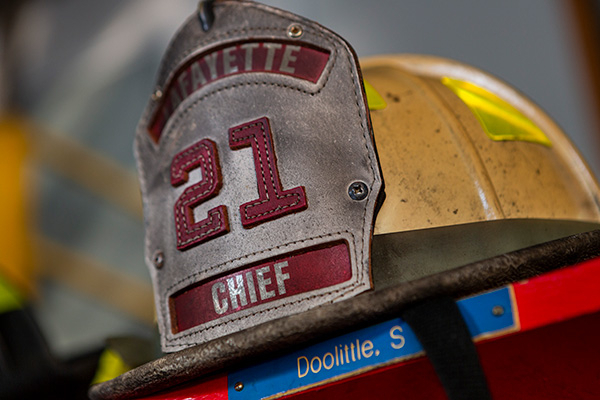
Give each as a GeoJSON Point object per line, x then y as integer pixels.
{"type": "Point", "coordinates": [110, 366]}
{"type": "Point", "coordinates": [374, 99]}
{"type": "Point", "coordinates": [499, 119]}
{"type": "Point", "coordinates": [10, 298]}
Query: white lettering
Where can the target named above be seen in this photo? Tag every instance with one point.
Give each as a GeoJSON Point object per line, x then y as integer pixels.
{"type": "Point", "coordinates": [236, 291]}
{"type": "Point", "coordinates": [280, 276]}
{"type": "Point", "coordinates": [263, 282]}
{"type": "Point", "coordinates": [288, 58]}
{"type": "Point", "coordinates": [228, 59]}
{"type": "Point", "coordinates": [248, 47]}
{"type": "Point", "coordinates": [211, 61]}
{"type": "Point", "coordinates": [198, 78]}
{"type": "Point", "coordinates": [251, 289]}
{"type": "Point", "coordinates": [220, 308]}
{"type": "Point", "coordinates": [271, 47]}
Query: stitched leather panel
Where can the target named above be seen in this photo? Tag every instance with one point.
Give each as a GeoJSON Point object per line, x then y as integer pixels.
{"type": "Point", "coordinates": [248, 157]}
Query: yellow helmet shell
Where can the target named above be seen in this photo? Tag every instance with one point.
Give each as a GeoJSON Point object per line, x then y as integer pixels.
{"type": "Point", "coordinates": [442, 166]}
{"type": "Point", "coordinates": [472, 169]}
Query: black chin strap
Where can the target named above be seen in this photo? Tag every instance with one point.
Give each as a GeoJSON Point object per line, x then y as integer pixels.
{"type": "Point", "coordinates": [443, 333]}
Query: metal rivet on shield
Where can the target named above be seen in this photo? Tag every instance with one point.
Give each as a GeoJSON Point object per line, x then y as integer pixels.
{"type": "Point", "coordinates": [239, 387]}
{"type": "Point", "coordinates": [498, 311]}
{"type": "Point", "coordinates": [158, 259]}
{"type": "Point", "coordinates": [295, 31]}
{"type": "Point", "coordinates": [157, 95]}
{"type": "Point", "coordinates": [358, 191]}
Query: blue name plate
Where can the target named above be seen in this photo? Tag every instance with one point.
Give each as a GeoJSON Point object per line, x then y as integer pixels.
{"type": "Point", "coordinates": [385, 343]}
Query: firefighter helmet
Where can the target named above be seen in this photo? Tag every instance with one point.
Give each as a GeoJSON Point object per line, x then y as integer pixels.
{"type": "Point", "coordinates": [472, 169]}
{"type": "Point", "coordinates": [261, 180]}
{"type": "Point", "coordinates": [262, 176]}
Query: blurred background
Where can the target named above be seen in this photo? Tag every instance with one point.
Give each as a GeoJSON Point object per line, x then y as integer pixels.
{"type": "Point", "coordinates": [76, 74]}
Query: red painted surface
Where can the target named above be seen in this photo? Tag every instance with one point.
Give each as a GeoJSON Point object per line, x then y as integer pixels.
{"type": "Point", "coordinates": [210, 389]}
{"type": "Point", "coordinates": [202, 155]}
{"type": "Point", "coordinates": [273, 201]}
{"type": "Point", "coordinates": [559, 295]}
{"type": "Point", "coordinates": [311, 269]}
{"type": "Point", "coordinates": [293, 59]}
{"type": "Point", "coordinates": [558, 361]}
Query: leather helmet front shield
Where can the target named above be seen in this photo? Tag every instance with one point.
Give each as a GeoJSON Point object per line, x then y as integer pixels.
{"type": "Point", "coordinates": [258, 171]}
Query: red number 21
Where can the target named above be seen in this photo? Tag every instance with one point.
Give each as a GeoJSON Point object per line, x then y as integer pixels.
{"type": "Point", "coordinates": [273, 201]}
{"type": "Point", "coordinates": [201, 155]}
